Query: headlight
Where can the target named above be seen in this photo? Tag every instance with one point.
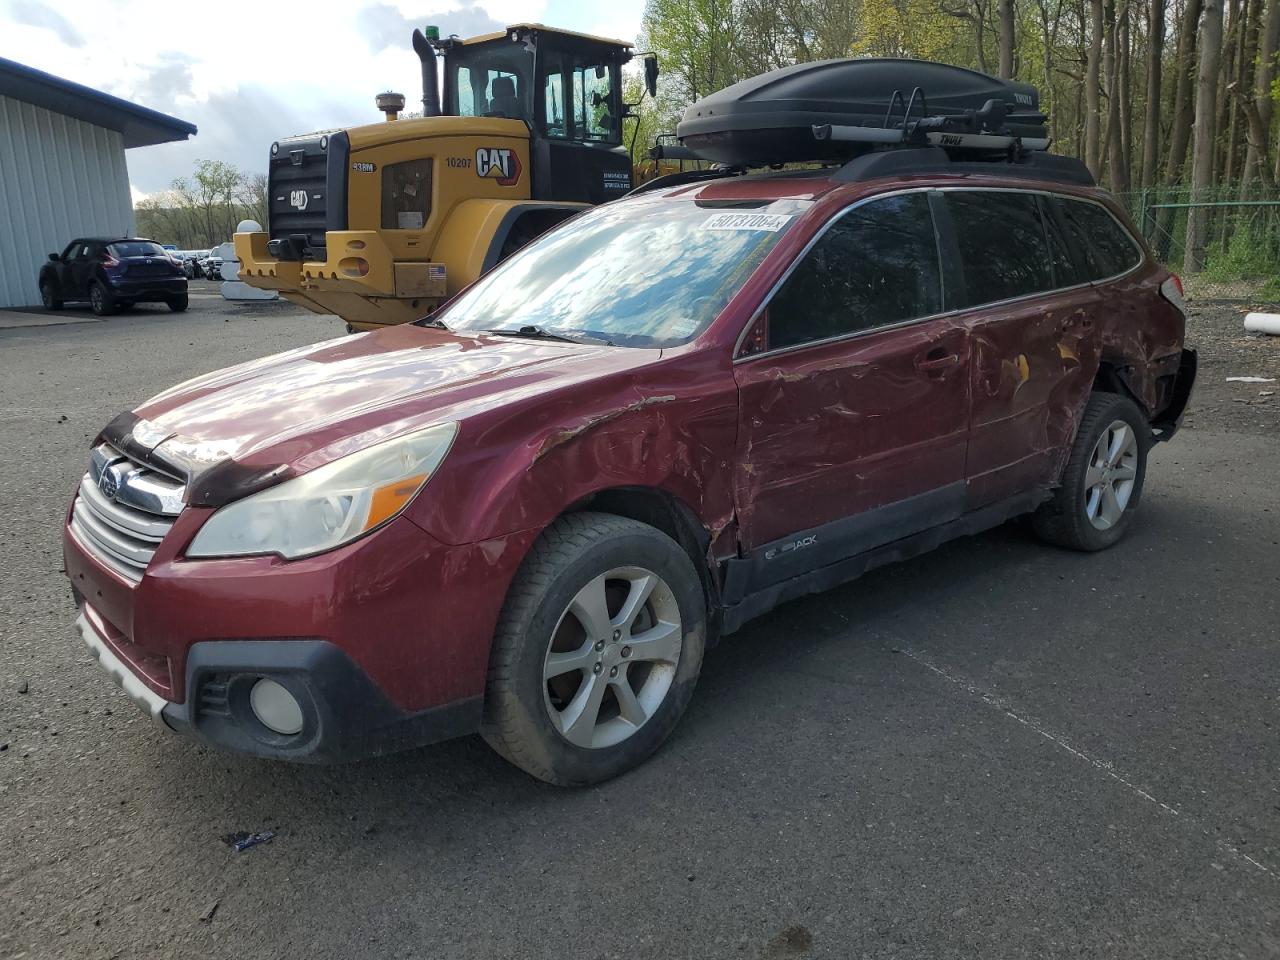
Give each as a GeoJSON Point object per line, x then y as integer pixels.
{"type": "Point", "coordinates": [329, 506]}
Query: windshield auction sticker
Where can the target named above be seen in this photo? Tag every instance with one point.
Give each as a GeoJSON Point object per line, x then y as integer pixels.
{"type": "Point", "coordinates": [772, 222]}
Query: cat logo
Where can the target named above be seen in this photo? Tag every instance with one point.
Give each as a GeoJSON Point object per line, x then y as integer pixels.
{"type": "Point", "coordinates": [498, 163]}
{"type": "Point", "coordinates": [298, 199]}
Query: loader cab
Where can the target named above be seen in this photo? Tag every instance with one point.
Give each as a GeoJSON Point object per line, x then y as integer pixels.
{"type": "Point", "coordinates": [567, 87]}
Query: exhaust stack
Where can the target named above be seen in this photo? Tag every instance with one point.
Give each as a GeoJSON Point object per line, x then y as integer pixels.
{"type": "Point", "coordinates": [422, 46]}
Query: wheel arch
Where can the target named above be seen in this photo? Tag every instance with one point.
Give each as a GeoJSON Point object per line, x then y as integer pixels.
{"type": "Point", "coordinates": [666, 512]}
{"type": "Point", "coordinates": [1115, 375]}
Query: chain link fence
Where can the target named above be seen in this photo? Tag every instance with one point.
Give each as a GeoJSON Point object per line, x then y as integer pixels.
{"type": "Point", "coordinates": [1242, 238]}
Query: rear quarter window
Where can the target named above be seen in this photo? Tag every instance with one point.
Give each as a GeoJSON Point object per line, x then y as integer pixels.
{"type": "Point", "coordinates": [1101, 242]}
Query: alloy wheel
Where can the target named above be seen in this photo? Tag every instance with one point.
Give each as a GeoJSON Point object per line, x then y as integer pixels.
{"type": "Point", "coordinates": [1111, 475]}
{"type": "Point", "coordinates": [612, 657]}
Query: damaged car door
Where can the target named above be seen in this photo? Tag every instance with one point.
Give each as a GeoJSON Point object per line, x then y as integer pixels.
{"type": "Point", "coordinates": [855, 399]}
{"type": "Point", "coordinates": [1033, 337]}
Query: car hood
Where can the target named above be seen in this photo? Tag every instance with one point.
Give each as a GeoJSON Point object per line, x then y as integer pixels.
{"type": "Point", "coordinates": [297, 410]}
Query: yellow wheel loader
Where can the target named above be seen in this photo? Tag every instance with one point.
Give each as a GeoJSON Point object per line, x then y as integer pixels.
{"type": "Point", "coordinates": [379, 224]}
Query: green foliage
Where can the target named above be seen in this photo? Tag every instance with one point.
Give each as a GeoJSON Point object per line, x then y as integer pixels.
{"type": "Point", "coordinates": [1251, 252]}
{"type": "Point", "coordinates": [202, 210]}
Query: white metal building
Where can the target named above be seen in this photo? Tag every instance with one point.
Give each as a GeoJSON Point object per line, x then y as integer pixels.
{"type": "Point", "coordinates": [62, 169]}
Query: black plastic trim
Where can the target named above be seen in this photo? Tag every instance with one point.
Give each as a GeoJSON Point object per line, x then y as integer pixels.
{"type": "Point", "coordinates": [1166, 424]}
{"type": "Point", "coordinates": [760, 601]}
{"type": "Point", "coordinates": [346, 715]}
{"type": "Point", "coordinates": [799, 553]}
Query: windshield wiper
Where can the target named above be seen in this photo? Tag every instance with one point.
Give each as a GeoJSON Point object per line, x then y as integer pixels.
{"type": "Point", "coordinates": [534, 332]}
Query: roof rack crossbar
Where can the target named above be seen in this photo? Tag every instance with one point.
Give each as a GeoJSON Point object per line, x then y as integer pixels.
{"type": "Point", "coordinates": [907, 161]}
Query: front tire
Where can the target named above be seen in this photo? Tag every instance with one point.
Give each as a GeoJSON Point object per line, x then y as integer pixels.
{"type": "Point", "coordinates": [1102, 483]}
{"type": "Point", "coordinates": [597, 650]}
{"type": "Point", "coordinates": [48, 297]}
{"type": "Point", "coordinates": [100, 300]}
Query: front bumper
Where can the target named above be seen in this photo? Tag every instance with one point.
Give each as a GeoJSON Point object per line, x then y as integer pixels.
{"type": "Point", "coordinates": [384, 643]}
{"type": "Point", "coordinates": [345, 715]}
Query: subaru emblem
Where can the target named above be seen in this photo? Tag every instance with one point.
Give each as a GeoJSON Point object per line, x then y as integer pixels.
{"type": "Point", "coordinates": [108, 484]}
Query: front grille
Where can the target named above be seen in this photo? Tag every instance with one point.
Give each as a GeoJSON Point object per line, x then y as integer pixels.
{"type": "Point", "coordinates": [122, 520]}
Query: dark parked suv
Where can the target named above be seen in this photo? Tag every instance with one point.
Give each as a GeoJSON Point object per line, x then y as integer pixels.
{"type": "Point", "coordinates": [111, 274]}
{"type": "Point", "coordinates": [530, 514]}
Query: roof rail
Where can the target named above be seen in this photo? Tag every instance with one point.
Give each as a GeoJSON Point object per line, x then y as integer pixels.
{"type": "Point", "coordinates": [688, 176]}
{"type": "Point", "coordinates": [900, 162]}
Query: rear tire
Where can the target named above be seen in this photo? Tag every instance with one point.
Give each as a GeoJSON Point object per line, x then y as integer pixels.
{"type": "Point", "coordinates": [48, 298]}
{"type": "Point", "coordinates": [177, 304]}
{"type": "Point", "coordinates": [1102, 483]}
{"type": "Point", "coordinates": [575, 706]}
{"type": "Point", "coordinates": [101, 300]}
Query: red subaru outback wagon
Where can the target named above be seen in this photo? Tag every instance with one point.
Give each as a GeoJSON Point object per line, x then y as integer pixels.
{"type": "Point", "coordinates": [530, 514]}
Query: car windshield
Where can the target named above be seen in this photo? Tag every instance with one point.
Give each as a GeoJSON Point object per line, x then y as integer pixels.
{"type": "Point", "coordinates": [648, 272]}
{"type": "Point", "coordinates": [136, 248]}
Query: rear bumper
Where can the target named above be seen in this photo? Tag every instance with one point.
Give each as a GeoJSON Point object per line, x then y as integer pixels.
{"type": "Point", "coordinates": [1167, 422]}
{"type": "Point", "coordinates": [151, 288]}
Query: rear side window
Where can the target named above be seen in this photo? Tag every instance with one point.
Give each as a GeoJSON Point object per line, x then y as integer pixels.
{"type": "Point", "coordinates": [877, 265]}
{"type": "Point", "coordinates": [1107, 247]}
{"type": "Point", "coordinates": [1002, 244]}
{"type": "Point", "coordinates": [1069, 264]}
{"type": "Point", "coordinates": [406, 195]}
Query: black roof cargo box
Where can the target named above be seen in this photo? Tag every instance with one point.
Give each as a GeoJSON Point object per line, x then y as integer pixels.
{"type": "Point", "coordinates": [838, 109]}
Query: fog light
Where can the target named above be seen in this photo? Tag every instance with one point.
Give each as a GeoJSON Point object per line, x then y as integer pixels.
{"type": "Point", "coordinates": [275, 707]}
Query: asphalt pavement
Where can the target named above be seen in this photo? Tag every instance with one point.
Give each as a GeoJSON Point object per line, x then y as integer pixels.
{"type": "Point", "coordinates": [996, 750]}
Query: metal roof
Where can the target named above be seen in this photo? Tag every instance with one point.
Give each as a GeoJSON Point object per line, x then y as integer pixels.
{"type": "Point", "coordinates": [139, 126]}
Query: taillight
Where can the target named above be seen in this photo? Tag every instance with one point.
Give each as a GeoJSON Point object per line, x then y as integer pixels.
{"type": "Point", "coordinates": [1171, 290]}
{"type": "Point", "coordinates": [109, 261]}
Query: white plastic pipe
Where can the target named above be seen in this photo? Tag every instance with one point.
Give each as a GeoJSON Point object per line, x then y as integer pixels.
{"type": "Point", "coordinates": [1263, 323]}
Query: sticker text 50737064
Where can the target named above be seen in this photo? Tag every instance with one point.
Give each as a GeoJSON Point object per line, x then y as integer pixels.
{"type": "Point", "coordinates": [772, 222]}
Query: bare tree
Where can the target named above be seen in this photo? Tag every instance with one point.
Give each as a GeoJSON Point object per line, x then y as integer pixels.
{"type": "Point", "coordinates": [1205, 132]}
{"type": "Point", "coordinates": [1093, 92]}
{"type": "Point", "coordinates": [1257, 160]}
{"type": "Point", "coordinates": [1151, 122]}
{"type": "Point", "coordinates": [1008, 39]}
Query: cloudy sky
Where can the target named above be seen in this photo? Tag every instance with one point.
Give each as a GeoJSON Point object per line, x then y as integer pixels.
{"type": "Point", "coordinates": [247, 73]}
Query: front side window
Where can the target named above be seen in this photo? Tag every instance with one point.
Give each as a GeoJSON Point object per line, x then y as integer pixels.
{"type": "Point", "coordinates": [877, 265]}
{"type": "Point", "coordinates": [406, 195]}
{"type": "Point", "coordinates": [490, 80]}
{"type": "Point", "coordinates": [648, 272]}
{"type": "Point", "coordinates": [1107, 246]}
{"type": "Point", "coordinates": [1002, 244]}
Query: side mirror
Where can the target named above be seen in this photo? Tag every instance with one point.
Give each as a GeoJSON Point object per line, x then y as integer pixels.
{"type": "Point", "coordinates": [651, 75]}
{"type": "Point", "coordinates": [54, 258]}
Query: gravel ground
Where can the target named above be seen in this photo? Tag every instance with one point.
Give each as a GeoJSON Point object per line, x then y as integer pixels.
{"type": "Point", "coordinates": [1216, 330]}
{"type": "Point", "coordinates": [996, 750]}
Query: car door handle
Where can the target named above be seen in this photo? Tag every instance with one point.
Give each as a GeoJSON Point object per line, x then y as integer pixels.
{"type": "Point", "coordinates": [936, 361]}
